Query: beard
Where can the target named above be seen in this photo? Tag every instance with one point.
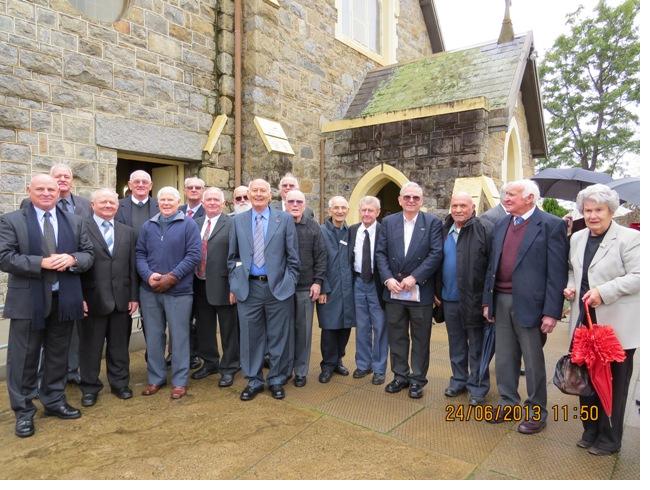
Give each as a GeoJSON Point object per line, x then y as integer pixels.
{"type": "Point", "coordinates": [241, 208]}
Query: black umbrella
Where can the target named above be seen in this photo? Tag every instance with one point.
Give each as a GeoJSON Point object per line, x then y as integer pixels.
{"type": "Point", "coordinates": [488, 351]}
{"type": "Point", "coordinates": [628, 189]}
{"type": "Point", "coordinates": [565, 183]}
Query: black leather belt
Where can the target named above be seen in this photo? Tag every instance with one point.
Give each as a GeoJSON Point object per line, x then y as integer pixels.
{"type": "Point", "coordinates": [259, 278]}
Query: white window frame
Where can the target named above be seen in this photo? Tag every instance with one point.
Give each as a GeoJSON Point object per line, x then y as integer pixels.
{"type": "Point", "coordinates": [388, 28]}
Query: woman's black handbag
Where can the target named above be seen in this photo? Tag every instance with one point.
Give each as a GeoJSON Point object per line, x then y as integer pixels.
{"type": "Point", "coordinates": [571, 378]}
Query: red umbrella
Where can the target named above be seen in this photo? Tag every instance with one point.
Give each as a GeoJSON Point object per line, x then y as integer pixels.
{"type": "Point", "coordinates": [597, 346]}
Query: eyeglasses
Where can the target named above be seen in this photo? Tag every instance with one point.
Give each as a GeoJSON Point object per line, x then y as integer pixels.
{"type": "Point", "coordinates": [194, 187]}
{"type": "Point", "coordinates": [295, 201]}
{"type": "Point", "coordinates": [411, 198]}
{"type": "Point", "coordinates": [241, 198]}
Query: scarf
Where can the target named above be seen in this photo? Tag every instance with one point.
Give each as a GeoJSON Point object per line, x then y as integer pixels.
{"type": "Point", "coordinates": [70, 294]}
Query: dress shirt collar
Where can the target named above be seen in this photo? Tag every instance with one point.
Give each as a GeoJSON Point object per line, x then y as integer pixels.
{"type": "Point", "coordinates": [529, 213]}
{"type": "Point", "coordinates": [99, 220]}
{"type": "Point", "coordinates": [135, 201]}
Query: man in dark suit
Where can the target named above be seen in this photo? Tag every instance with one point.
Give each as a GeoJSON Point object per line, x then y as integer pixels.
{"type": "Point", "coordinates": [194, 188]}
{"type": "Point", "coordinates": [137, 208]}
{"type": "Point", "coordinates": [409, 252]}
{"type": "Point", "coordinates": [212, 296]}
{"type": "Point", "coordinates": [80, 206]}
{"type": "Point", "coordinates": [289, 183]}
{"type": "Point", "coordinates": [263, 267]}
{"type": "Point", "coordinates": [43, 249]}
{"type": "Point", "coordinates": [371, 339]}
{"type": "Point", "coordinates": [524, 283]}
{"type": "Point", "coordinates": [110, 298]}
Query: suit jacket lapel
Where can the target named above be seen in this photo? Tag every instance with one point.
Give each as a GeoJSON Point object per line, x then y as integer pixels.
{"type": "Point", "coordinates": [399, 236]}
{"type": "Point", "coordinates": [221, 222]}
{"type": "Point", "coordinates": [274, 223]}
{"type": "Point", "coordinates": [532, 230]}
{"type": "Point", "coordinates": [416, 238]}
{"type": "Point", "coordinates": [94, 229]}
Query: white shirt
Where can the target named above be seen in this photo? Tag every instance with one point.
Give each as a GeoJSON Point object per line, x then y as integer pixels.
{"type": "Point", "coordinates": [409, 226]}
{"type": "Point", "coordinates": [100, 220]}
{"type": "Point", "coordinates": [194, 210]}
{"type": "Point", "coordinates": [528, 214]}
{"type": "Point", "coordinates": [213, 223]}
{"type": "Point", "coordinates": [358, 246]}
{"type": "Point", "coordinates": [135, 201]}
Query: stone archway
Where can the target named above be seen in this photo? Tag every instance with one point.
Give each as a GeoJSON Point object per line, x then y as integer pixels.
{"type": "Point", "coordinates": [511, 167]}
{"type": "Point", "coordinates": [372, 184]}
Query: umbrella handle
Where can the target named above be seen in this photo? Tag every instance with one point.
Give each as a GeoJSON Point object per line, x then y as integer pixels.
{"type": "Point", "coordinates": [588, 315]}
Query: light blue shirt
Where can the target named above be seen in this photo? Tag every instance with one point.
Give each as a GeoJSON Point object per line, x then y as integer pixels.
{"type": "Point", "coordinates": [99, 221]}
{"type": "Point", "coordinates": [259, 271]}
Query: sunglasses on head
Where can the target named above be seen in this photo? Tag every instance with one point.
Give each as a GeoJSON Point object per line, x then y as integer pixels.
{"type": "Point", "coordinates": [295, 201]}
{"type": "Point", "coordinates": [241, 198]}
{"type": "Point", "coordinates": [411, 198]}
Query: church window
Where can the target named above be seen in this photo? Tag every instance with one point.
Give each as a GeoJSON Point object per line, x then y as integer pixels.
{"type": "Point", "coordinates": [104, 11]}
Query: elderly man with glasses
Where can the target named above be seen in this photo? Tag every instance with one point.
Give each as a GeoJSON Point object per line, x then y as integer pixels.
{"type": "Point", "coordinates": [240, 201]}
{"type": "Point", "coordinates": [409, 252]}
{"type": "Point", "coordinates": [289, 183]}
{"type": "Point", "coordinates": [193, 208]}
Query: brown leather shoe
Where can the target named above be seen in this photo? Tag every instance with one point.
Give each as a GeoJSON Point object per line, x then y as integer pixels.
{"type": "Point", "coordinates": [531, 426]}
{"type": "Point", "coordinates": [178, 392]}
{"type": "Point", "coordinates": [151, 390]}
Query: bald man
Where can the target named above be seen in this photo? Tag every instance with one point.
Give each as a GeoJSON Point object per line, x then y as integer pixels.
{"type": "Point", "coordinates": [43, 249]}
{"type": "Point", "coordinates": [459, 291]}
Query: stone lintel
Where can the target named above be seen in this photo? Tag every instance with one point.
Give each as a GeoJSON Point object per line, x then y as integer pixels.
{"type": "Point", "coordinates": [134, 136]}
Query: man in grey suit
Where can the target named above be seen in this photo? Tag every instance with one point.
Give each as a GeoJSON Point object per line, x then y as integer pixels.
{"type": "Point", "coordinates": [110, 298]}
{"type": "Point", "coordinates": [263, 269]}
{"type": "Point", "coordinates": [43, 249]}
{"type": "Point", "coordinates": [289, 183]}
{"type": "Point", "coordinates": [212, 296]}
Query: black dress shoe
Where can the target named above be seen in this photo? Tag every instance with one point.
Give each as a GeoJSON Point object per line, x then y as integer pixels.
{"type": "Point", "coordinates": [277, 391]}
{"type": "Point", "coordinates": [325, 376]}
{"type": "Point", "coordinates": [452, 392]}
{"type": "Point", "coordinates": [205, 371]}
{"type": "Point", "coordinates": [378, 379]}
{"type": "Point", "coordinates": [226, 380]}
{"type": "Point", "coordinates": [123, 393]}
{"type": "Point", "coordinates": [396, 386]}
{"type": "Point", "coordinates": [531, 426]}
{"type": "Point", "coordinates": [195, 362]}
{"type": "Point", "coordinates": [63, 411]}
{"type": "Point", "coordinates": [249, 393]}
{"type": "Point", "coordinates": [342, 370]}
{"type": "Point", "coordinates": [88, 399]}
{"type": "Point", "coordinates": [24, 427]}
{"type": "Point", "coordinates": [415, 391]}
{"type": "Point", "coordinates": [300, 381]}
{"type": "Point", "coordinates": [361, 373]}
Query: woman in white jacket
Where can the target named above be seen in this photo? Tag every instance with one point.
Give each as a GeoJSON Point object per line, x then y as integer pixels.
{"type": "Point", "coordinates": [604, 271]}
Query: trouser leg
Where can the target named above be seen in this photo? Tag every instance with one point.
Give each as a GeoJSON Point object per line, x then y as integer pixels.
{"type": "Point", "coordinates": [420, 318]}
{"type": "Point", "coordinates": [154, 315]}
{"type": "Point", "coordinates": [178, 310]}
{"type": "Point", "coordinates": [91, 342]}
{"type": "Point", "coordinates": [397, 324]}
{"type": "Point", "coordinates": [507, 354]}
{"type": "Point", "coordinates": [23, 356]}
{"type": "Point", "coordinates": [458, 352]}
{"type": "Point", "coordinates": [117, 349]}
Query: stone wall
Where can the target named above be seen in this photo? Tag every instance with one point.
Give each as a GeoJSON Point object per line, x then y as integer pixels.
{"type": "Point", "coordinates": [431, 151]}
{"type": "Point", "coordinates": [297, 73]}
{"type": "Point", "coordinates": [60, 71]}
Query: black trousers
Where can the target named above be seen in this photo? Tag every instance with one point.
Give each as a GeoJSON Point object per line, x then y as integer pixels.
{"type": "Point", "coordinates": [206, 332]}
{"type": "Point", "coordinates": [22, 362]}
{"type": "Point", "coordinates": [409, 328]}
{"type": "Point", "coordinates": [607, 432]}
{"type": "Point", "coordinates": [115, 329]}
{"type": "Point", "coordinates": [332, 347]}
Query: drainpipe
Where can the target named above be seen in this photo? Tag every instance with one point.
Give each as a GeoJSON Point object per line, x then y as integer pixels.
{"type": "Point", "coordinates": [238, 89]}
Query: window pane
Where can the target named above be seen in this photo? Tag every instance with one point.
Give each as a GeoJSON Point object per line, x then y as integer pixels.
{"type": "Point", "coordinates": [102, 10]}
{"type": "Point", "coordinates": [361, 20]}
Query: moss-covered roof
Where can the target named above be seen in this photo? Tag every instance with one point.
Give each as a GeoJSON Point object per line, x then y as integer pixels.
{"type": "Point", "coordinates": [487, 71]}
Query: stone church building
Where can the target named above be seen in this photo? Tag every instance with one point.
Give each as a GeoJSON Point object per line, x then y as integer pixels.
{"type": "Point", "coordinates": [364, 90]}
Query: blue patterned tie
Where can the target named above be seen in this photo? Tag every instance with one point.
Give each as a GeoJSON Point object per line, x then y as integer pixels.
{"type": "Point", "coordinates": [258, 242]}
{"type": "Point", "coordinates": [107, 231]}
{"type": "Point", "coordinates": [518, 220]}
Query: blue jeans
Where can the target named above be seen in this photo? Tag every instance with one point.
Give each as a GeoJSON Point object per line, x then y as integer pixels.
{"type": "Point", "coordinates": [159, 311]}
{"type": "Point", "coordinates": [371, 338]}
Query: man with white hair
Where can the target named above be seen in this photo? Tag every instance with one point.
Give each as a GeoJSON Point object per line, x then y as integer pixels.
{"type": "Point", "coordinates": [289, 183]}
{"type": "Point", "coordinates": [240, 202]}
{"type": "Point", "coordinates": [194, 188]}
{"type": "Point", "coordinates": [523, 295]}
{"type": "Point", "coordinates": [137, 208]}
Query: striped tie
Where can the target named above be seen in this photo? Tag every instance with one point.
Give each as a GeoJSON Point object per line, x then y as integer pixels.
{"type": "Point", "coordinates": [107, 231]}
{"type": "Point", "coordinates": [258, 242]}
{"type": "Point", "coordinates": [518, 220]}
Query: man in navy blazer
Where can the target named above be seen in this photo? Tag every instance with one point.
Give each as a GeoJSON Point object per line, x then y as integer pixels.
{"type": "Point", "coordinates": [193, 207]}
{"type": "Point", "coordinates": [523, 290]}
{"type": "Point", "coordinates": [137, 208]}
{"type": "Point", "coordinates": [263, 265]}
{"type": "Point", "coordinates": [408, 253]}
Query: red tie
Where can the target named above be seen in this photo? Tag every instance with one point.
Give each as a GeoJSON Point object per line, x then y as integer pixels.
{"type": "Point", "coordinates": [200, 272]}
{"type": "Point", "coordinates": [190, 213]}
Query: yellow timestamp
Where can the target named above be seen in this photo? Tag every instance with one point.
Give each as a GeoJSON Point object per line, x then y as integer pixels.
{"type": "Point", "coordinates": [493, 413]}
{"type": "Point", "coordinates": [584, 413]}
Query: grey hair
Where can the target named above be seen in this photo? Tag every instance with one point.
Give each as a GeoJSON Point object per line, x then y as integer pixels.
{"type": "Point", "coordinates": [103, 190]}
{"type": "Point", "coordinates": [61, 166]}
{"type": "Point", "coordinates": [266, 184]}
{"type": "Point", "coordinates": [240, 188]}
{"type": "Point", "coordinates": [528, 187]}
{"type": "Point", "coordinates": [370, 200]}
{"type": "Point", "coordinates": [299, 192]}
{"type": "Point", "coordinates": [214, 189]}
{"type": "Point", "coordinates": [600, 194]}
{"type": "Point", "coordinates": [289, 175]}
{"type": "Point", "coordinates": [135, 173]}
{"type": "Point", "coordinates": [410, 185]}
{"type": "Point", "coordinates": [329, 203]}
{"type": "Point", "coordinates": [191, 179]}
{"type": "Point", "coordinates": [169, 190]}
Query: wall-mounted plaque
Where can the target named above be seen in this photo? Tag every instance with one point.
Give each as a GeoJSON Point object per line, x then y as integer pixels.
{"type": "Point", "coordinates": [273, 136]}
{"type": "Point", "coordinates": [215, 132]}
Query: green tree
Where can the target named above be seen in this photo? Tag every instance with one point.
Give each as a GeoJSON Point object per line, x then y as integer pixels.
{"type": "Point", "coordinates": [591, 86]}
{"type": "Point", "coordinates": [550, 205]}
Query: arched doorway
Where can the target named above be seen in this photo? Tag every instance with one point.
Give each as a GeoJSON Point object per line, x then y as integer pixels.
{"type": "Point", "coordinates": [511, 168]}
{"type": "Point", "coordinates": [383, 181]}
